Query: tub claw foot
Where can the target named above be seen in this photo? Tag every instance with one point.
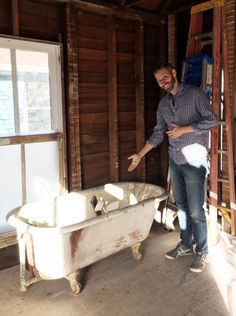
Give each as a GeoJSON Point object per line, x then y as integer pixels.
{"type": "Point", "coordinates": [136, 253]}
{"type": "Point", "coordinates": [74, 283]}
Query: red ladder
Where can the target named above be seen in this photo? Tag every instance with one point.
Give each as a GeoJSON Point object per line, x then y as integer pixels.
{"type": "Point", "coordinates": [222, 106]}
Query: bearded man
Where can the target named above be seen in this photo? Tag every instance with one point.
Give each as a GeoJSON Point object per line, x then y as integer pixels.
{"type": "Point", "coordinates": [185, 115]}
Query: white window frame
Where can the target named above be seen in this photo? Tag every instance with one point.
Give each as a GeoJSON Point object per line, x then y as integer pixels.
{"type": "Point", "coordinates": [54, 60]}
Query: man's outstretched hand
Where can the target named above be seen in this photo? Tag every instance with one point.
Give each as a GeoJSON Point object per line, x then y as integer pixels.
{"type": "Point", "coordinates": [135, 161]}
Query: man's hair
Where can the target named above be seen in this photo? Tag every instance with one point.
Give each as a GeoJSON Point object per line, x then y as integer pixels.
{"type": "Point", "coordinates": [160, 66]}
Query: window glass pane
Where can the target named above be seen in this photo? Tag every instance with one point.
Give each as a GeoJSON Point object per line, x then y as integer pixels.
{"type": "Point", "coordinates": [6, 94]}
{"type": "Point", "coordinates": [33, 91]}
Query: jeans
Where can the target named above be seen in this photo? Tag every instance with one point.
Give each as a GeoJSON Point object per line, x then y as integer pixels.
{"type": "Point", "coordinates": [188, 184]}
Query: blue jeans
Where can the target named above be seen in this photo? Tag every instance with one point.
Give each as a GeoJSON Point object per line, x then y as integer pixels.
{"type": "Point", "coordinates": [188, 189]}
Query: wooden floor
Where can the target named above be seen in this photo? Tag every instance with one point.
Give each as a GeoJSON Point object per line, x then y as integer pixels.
{"type": "Point", "coordinates": [9, 257]}
{"type": "Point", "coordinates": [118, 286]}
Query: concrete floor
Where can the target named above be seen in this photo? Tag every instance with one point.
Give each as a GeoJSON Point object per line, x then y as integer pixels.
{"type": "Point", "coordinates": [118, 286]}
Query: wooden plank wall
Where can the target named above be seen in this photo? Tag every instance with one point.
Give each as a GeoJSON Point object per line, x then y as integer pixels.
{"type": "Point", "coordinates": [31, 19]}
{"type": "Point", "coordinates": [154, 52]}
{"type": "Point", "coordinates": [111, 91]}
{"type": "Point", "coordinates": [92, 41]}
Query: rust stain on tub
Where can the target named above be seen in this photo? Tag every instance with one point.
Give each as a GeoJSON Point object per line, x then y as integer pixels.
{"type": "Point", "coordinates": [135, 235]}
{"type": "Point", "coordinates": [30, 259]}
{"type": "Point", "coordinates": [75, 237]}
{"type": "Point", "coordinates": [121, 243]}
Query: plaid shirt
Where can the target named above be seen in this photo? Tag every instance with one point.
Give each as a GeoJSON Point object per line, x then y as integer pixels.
{"type": "Point", "coordinates": [191, 108]}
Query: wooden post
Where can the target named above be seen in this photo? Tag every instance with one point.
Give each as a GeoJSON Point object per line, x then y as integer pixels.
{"type": "Point", "coordinates": [112, 96]}
{"type": "Point", "coordinates": [139, 96]}
{"type": "Point", "coordinates": [172, 40]}
{"type": "Point", "coordinates": [74, 159]}
{"type": "Point", "coordinates": [15, 17]}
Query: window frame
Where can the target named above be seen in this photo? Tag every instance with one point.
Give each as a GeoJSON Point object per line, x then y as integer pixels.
{"type": "Point", "coordinates": [55, 84]}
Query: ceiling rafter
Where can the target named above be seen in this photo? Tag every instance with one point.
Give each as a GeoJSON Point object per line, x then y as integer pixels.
{"type": "Point", "coordinates": [119, 10]}
{"type": "Point", "coordinates": [121, 2]}
{"type": "Point", "coordinates": [130, 3]}
{"type": "Point", "coordinates": [164, 8]}
{"type": "Point", "coordinates": [177, 8]}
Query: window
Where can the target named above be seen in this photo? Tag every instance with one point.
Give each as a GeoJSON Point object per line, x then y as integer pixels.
{"type": "Point", "coordinates": [30, 88]}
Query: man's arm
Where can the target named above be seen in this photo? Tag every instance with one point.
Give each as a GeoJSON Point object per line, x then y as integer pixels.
{"type": "Point", "coordinates": [137, 157]}
{"type": "Point", "coordinates": [179, 130]}
{"type": "Point", "coordinates": [208, 119]}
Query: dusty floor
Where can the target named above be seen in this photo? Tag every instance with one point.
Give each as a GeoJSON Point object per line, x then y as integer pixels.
{"type": "Point", "coordinates": [118, 286]}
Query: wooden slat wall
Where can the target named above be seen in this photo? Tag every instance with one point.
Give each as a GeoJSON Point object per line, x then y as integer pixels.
{"type": "Point", "coordinates": [111, 95]}
{"type": "Point", "coordinates": [5, 17]}
{"type": "Point", "coordinates": [31, 19]}
{"type": "Point", "coordinates": [112, 99]}
{"type": "Point", "coordinates": [154, 52]}
{"type": "Point", "coordinates": [125, 49]}
{"type": "Point", "coordinates": [92, 39]}
{"type": "Point", "coordinates": [72, 95]}
{"type": "Point", "coordinates": [108, 56]}
{"type": "Point", "coordinates": [104, 70]}
{"type": "Point", "coordinates": [40, 20]}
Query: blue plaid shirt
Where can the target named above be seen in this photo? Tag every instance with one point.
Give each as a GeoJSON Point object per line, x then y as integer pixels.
{"type": "Point", "coordinates": [191, 108]}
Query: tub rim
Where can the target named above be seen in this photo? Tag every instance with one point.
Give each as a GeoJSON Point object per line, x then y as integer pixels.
{"type": "Point", "coordinates": [22, 225]}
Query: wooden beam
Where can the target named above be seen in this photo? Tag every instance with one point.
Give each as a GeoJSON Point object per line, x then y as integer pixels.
{"type": "Point", "coordinates": [72, 94]}
{"type": "Point", "coordinates": [112, 96]}
{"type": "Point", "coordinates": [164, 7]}
{"type": "Point", "coordinates": [162, 43]}
{"type": "Point", "coordinates": [15, 17]}
{"type": "Point", "coordinates": [117, 10]}
{"type": "Point", "coordinates": [139, 96]}
{"type": "Point", "coordinates": [172, 40]}
{"type": "Point", "coordinates": [130, 3]}
{"type": "Point", "coordinates": [26, 139]}
{"type": "Point", "coordinates": [163, 53]}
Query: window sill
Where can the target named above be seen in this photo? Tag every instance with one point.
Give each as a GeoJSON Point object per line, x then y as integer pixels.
{"type": "Point", "coordinates": [29, 138]}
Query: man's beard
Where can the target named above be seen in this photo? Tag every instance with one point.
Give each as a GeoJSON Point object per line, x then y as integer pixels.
{"type": "Point", "coordinates": [171, 84]}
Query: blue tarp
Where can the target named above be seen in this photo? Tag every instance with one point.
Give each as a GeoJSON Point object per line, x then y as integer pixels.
{"type": "Point", "coordinates": [193, 74]}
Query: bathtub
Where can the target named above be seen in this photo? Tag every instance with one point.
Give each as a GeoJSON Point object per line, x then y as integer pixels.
{"type": "Point", "coordinates": [59, 236]}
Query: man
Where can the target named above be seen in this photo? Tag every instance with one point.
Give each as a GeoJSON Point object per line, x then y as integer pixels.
{"type": "Point", "coordinates": [185, 115]}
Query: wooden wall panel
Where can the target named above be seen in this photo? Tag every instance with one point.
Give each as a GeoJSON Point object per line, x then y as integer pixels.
{"type": "Point", "coordinates": [94, 169]}
{"type": "Point", "coordinates": [5, 17]}
{"type": "Point", "coordinates": [104, 67]}
{"type": "Point", "coordinates": [72, 97]}
{"type": "Point", "coordinates": [36, 20]}
{"type": "Point", "coordinates": [112, 96]}
{"type": "Point", "coordinates": [156, 159]}
{"type": "Point", "coordinates": [40, 20]}
{"type": "Point", "coordinates": [125, 50]}
{"type": "Point", "coordinates": [111, 64]}
{"type": "Point", "coordinates": [93, 97]}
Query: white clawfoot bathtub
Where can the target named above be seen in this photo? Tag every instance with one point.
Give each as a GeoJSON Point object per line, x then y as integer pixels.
{"type": "Point", "coordinates": [59, 236]}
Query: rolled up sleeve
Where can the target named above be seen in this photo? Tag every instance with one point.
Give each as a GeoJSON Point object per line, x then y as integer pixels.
{"type": "Point", "coordinates": [158, 132]}
{"type": "Point", "coordinates": [207, 118]}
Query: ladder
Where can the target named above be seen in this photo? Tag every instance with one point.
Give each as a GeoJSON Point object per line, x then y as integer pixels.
{"type": "Point", "coordinates": [221, 155]}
